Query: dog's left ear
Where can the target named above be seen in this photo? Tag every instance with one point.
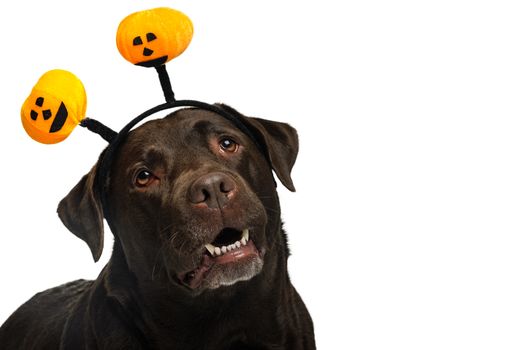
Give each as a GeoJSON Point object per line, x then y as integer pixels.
{"type": "Point", "coordinates": [281, 141]}
{"type": "Point", "coordinates": [81, 212]}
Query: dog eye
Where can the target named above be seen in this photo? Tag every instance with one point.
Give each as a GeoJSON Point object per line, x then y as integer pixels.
{"type": "Point", "coordinates": [228, 145]}
{"type": "Point", "coordinates": [144, 178]}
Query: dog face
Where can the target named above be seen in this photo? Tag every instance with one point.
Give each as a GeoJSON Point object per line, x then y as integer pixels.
{"type": "Point", "coordinates": [192, 200]}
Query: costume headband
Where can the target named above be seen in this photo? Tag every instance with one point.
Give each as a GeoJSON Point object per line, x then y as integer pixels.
{"type": "Point", "coordinates": [150, 38]}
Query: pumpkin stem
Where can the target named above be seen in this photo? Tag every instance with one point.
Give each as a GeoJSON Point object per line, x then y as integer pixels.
{"type": "Point", "coordinates": [165, 83]}
{"type": "Point", "coordinates": [99, 128]}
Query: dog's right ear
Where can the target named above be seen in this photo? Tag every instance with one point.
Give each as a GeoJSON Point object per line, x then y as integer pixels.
{"type": "Point", "coordinates": [81, 212]}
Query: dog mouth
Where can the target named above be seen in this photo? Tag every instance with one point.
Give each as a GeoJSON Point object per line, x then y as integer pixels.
{"type": "Point", "coordinates": [231, 257]}
{"type": "Point", "coordinates": [227, 242]}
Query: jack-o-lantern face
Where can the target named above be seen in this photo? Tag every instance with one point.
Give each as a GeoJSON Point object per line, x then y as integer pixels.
{"type": "Point", "coordinates": [149, 49]}
{"type": "Point", "coordinates": [153, 37]}
{"type": "Point", "coordinates": [56, 105]}
{"type": "Point", "coordinates": [59, 116]}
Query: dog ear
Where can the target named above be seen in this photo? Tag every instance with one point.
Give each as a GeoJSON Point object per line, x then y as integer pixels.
{"type": "Point", "coordinates": [281, 141]}
{"type": "Point", "coordinates": [82, 213]}
{"type": "Point", "coordinates": [282, 145]}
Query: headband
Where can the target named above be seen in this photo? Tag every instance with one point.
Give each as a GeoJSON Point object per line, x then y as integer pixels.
{"type": "Point", "coordinates": [150, 38]}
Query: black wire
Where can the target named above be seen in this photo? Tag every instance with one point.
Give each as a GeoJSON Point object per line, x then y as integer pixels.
{"type": "Point", "coordinates": [165, 83]}
{"type": "Point", "coordinates": [99, 128]}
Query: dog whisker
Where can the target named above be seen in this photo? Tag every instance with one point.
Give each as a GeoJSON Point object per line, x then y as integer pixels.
{"type": "Point", "coordinates": [168, 228]}
{"type": "Point", "coordinates": [156, 263]}
{"type": "Point", "coordinates": [272, 210]}
{"type": "Point", "coordinates": [264, 197]}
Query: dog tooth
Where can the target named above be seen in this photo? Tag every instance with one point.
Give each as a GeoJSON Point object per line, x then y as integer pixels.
{"type": "Point", "coordinates": [245, 234]}
{"type": "Point", "coordinates": [210, 248]}
{"type": "Point", "coordinates": [229, 247]}
{"type": "Point", "coordinates": [224, 249]}
{"type": "Point", "coordinates": [244, 242]}
{"type": "Point", "coordinates": [217, 251]}
{"type": "Point", "coordinates": [237, 244]}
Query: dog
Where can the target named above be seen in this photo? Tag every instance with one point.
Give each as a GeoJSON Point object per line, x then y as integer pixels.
{"type": "Point", "coordinates": [199, 258]}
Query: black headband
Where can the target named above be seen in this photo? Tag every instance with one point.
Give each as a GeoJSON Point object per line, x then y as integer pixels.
{"type": "Point", "coordinates": [65, 92]}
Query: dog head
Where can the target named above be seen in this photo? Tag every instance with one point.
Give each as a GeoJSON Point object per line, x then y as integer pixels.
{"type": "Point", "coordinates": [190, 196]}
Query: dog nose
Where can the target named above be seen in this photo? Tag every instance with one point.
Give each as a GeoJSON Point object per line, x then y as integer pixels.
{"type": "Point", "coordinates": [214, 190]}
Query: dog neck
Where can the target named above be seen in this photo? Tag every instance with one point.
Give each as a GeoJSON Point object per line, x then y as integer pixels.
{"type": "Point", "coordinates": [143, 306]}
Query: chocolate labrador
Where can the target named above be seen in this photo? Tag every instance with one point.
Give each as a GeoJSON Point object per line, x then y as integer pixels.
{"type": "Point", "coordinates": [200, 256]}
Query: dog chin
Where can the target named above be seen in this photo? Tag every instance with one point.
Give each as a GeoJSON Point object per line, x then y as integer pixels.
{"type": "Point", "coordinates": [229, 274]}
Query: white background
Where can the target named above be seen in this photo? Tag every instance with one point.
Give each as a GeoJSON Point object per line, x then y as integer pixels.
{"type": "Point", "coordinates": [409, 226]}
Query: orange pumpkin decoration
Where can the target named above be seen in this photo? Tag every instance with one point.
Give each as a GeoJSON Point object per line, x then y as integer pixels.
{"type": "Point", "coordinates": [153, 37]}
{"type": "Point", "coordinates": [56, 105]}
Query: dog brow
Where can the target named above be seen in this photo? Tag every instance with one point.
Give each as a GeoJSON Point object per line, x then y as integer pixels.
{"type": "Point", "coordinates": [205, 127]}
{"type": "Point", "coordinates": [153, 155]}
{"type": "Point", "coordinates": [202, 126]}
